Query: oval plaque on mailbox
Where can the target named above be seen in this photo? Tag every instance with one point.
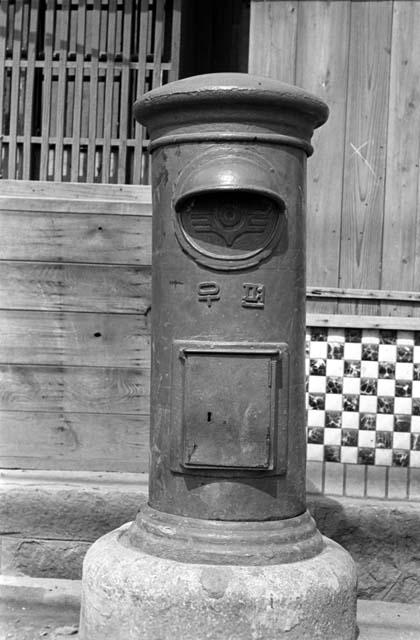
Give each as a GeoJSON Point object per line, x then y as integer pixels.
{"type": "Point", "coordinates": [228, 212]}
{"type": "Point", "coordinates": [229, 227]}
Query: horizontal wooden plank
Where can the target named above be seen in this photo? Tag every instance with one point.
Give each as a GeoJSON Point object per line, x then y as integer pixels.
{"type": "Point", "coordinates": [74, 287]}
{"type": "Point", "coordinates": [53, 206]}
{"type": "Point", "coordinates": [59, 237]}
{"type": "Point", "coordinates": [76, 389]}
{"type": "Point", "coordinates": [371, 294]}
{"type": "Point", "coordinates": [75, 190]}
{"type": "Point", "coordinates": [91, 339]}
{"type": "Point", "coordinates": [362, 322]}
{"type": "Point", "coordinates": [74, 441]}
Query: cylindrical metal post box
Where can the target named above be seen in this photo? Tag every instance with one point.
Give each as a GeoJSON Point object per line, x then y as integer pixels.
{"type": "Point", "coordinates": [228, 304]}
{"type": "Point", "coordinates": [225, 547]}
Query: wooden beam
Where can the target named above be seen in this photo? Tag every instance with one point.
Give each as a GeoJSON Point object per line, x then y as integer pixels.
{"type": "Point", "coordinates": [76, 191]}
{"type": "Point", "coordinates": [362, 322]}
{"type": "Point", "coordinates": [49, 206]}
{"type": "Point", "coordinates": [356, 294]}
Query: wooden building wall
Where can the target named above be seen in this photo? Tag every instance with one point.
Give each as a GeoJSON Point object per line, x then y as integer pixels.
{"type": "Point", "coordinates": [74, 326]}
{"type": "Point", "coordinates": [362, 58]}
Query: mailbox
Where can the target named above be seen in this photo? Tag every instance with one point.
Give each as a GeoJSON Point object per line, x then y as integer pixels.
{"type": "Point", "coordinates": [228, 305]}
{"type": "Point", "coordinates": [225, 546]}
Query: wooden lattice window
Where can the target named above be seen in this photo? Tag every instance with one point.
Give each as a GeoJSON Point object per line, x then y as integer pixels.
{"type": "Point", "coordinates": [70, 71]}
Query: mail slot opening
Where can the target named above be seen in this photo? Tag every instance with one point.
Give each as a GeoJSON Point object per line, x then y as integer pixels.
{"type": "Point", "coordinates": [229, 223]}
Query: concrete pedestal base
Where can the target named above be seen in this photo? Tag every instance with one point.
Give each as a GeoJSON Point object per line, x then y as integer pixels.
{"type": "Point", "coordinates": [130, 595]}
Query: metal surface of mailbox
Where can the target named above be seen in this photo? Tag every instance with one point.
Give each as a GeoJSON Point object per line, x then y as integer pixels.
{"type": "Point", "coordinates": [228, 303]}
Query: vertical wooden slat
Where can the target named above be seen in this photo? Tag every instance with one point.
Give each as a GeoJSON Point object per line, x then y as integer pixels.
{"type": "Point", "coordinates": [109, 84]}
{"type": "Point", "coordinates": [93, 89]}
{"type": "Point", "coordinates": [365, 145]}
{"type": "Point", "coordinates": [29, 89]}
{"type": "Point", "coordinates": [61, 94]}
{"type": "Point", "coordinates": [272, 39]}
{"type": "Point", "coordinates": [322, 55]}
{"type": "Point", "coordinates": [124, 93]}
{"type": "Point", "coordinates": [175, 43]}
{"type": "Point", "coordinates": [46, 92]}
{"type": "Point", "coordinates": [14, 101]}
{"type": "Point", "coordinates": [141, 73]}
{"type": "Point", "coordinates": [3, 28]}
{"type": "Point", "coordinates": [78, 89]}
{"type": "Point", "coordinates": [401, 248]}
{"type": "Point", "coordinates": [158, 42]}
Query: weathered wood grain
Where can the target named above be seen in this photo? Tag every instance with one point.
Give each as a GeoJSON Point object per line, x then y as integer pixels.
{"type": "Point", "coordinates": [59, 107]}
{"type": "Point", "coordinates": [142, 48]}
{"type": "Point", "coordinates": [176, 40]}
{"type": "Point", "coordinates": [76, 191]}
{"type": "Point", "coordinates": [91, 339]}
{"type": "Point", "coordinates": [73, 441]}
{"type": "Point", "coordinates": [29, 88]}
{"type": "Point", "coordinates": [362, 322]}
{"type": "Point", "coordinates": [359, 294]}
{"type": "Point", "coordinates": [63, 205]}
{"type": "Point", "coordinates": [51, 286]}
{"type": "Point", "coordinates": [3, 27]}
{"type": "Point", "coordinates": [15, 82]}
{"type": "Point", "coordinates": [124, 93]}
{"type": "Point", "coordinates": [76, 389]}
{"type": "Point", "coordinates": [78, 91]}
{"type": "Point", "coordinates": [158, 43]}
{"type": "Point", "coordinates": [54, 236]}
{"type": "Point", "coordinates": [322, 68]}
{"type": "Point", "coordinates": [365, 145]}
{"type": "Point", "coordinates": [401, 245]}
{"type": "Point", "coordinates": [272, 39]}
{"type": "Point", "coordinates": [109, 87]}
{"type": "Point", "coordinates": [47, 89]}
{"type": "Point", "coordinates": [93, 90]}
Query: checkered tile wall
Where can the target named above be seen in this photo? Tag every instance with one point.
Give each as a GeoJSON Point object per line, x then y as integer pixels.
{"type": "Point", "coordinates": [363, 396]}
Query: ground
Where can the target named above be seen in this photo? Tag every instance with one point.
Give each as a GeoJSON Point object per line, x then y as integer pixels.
{"type": "Point", "coordinates": [36, 621]}
{"type": "Point", "coordinates": [26, 618]}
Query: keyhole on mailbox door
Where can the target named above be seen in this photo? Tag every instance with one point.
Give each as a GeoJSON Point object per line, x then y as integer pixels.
{"type": "Point", "coordinates": [209, 416]}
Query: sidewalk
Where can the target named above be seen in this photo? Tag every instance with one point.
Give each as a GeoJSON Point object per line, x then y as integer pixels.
{"type": "Point", "coordinates": [36, 608]}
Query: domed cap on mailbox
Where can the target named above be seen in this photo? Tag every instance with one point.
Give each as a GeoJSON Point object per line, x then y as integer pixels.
{"type": "Point", "coordinates": [230, 106]}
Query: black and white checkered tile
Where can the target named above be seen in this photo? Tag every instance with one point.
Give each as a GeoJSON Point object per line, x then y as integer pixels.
{"type": "Point", "coordinates": [363, 395]}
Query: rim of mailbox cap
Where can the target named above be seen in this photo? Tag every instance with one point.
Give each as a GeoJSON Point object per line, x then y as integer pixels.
{"type": "Point", "coordinates": [233, 106]}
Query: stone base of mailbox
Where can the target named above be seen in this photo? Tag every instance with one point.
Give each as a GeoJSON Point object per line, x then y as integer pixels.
{"type": "Point", "coordinates": [130, 595]}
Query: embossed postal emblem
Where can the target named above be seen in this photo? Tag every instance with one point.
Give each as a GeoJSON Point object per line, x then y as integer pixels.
{"type": "Point", "coordinates": [229, 230]}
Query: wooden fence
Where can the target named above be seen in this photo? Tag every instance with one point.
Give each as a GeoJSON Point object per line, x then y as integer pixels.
{"type": "Point", "coordinates": [70, 71]}
{"type": "Point", "coordinates": [74, 326]}
{"type": "Point", "coordinates": [362, 58]}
